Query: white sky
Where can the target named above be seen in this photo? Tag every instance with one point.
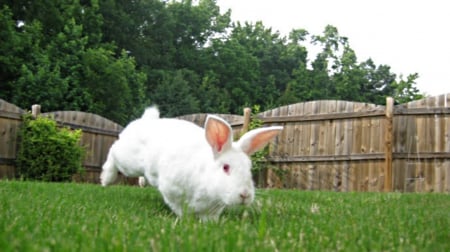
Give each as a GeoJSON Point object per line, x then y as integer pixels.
{"type": "Point", "coordinates": [409, 36]}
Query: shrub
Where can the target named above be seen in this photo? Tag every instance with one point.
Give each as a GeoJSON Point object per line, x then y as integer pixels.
{"type": "Point", "coordinates": [260, 164]}
{"type": "Point", "coordinates": [258, 158]}
{"type": "Point", "coordinates": [47, 152]}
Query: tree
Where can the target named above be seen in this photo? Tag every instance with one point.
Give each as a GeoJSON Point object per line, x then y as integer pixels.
{"type": "Point", "coordinates": [193, 26]}
{"type": "Point", "coordinates": [14, 46]}
{"type": "Point", "coordinates": [59, 64]}
{"type": "Point", "coordinates": [237, 74]}
{"type": "Point", "coordinates": [116, 89]}
{"type": "Point", "coordinates": [113, 57]}
{"type": "Point", "coordinates": [276, 60]}
{"type": "Point", "coordinates": [349, 80]}
{"type": "Point", "coordinates": [299, 88]}
{"type": "Point", "coordinates": [174, 95]}
{"type": "Point", "coordinates": [142, 28]}
{"type": "Point", "coordinates": [405, 90]}
{"type": "Point", "coordinates": [214, 99]}
{"type": "Point", "coordinates": [50, 76]}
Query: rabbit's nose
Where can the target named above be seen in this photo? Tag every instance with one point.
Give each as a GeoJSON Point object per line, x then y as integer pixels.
{"type": "Point", "coordinates": [244, 195]}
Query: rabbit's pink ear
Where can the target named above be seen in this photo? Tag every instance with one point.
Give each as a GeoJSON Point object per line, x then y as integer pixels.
{"type": "Point", "coordinates": [256, 139]}
{"type": "Point", "coordinates": [218, 134]}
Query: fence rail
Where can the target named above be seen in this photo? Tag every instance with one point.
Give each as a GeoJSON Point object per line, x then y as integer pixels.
{"type": "Point", "coordinates": [325, 145]}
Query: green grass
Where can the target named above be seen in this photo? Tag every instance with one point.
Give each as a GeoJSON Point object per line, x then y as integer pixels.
{"type": "Point", "coordinates": [82, 217]}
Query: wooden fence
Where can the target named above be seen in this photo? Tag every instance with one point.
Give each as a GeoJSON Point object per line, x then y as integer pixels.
{"type": "Point", "coordinates": [10, 121]}
{"type": "Point", "coordinates": [98, 135]}
{"type": "Point", "coordinates": [326, 145]}
{"type": "Point", "coordinates": [347, 146]}
{"type": "Point", "coordinates": [351, 146]}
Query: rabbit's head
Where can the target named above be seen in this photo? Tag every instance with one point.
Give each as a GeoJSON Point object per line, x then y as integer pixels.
{"type": "Point", "coordinates": [232, 180]}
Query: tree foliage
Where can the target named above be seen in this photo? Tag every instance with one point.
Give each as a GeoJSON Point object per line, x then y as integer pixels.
{"type": "Point", "coordinates": [114, 57]}
{"type": "Point", "coordinates": [60, 64]}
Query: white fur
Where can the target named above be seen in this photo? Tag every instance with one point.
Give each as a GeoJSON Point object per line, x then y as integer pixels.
{"type": "Point", "coordinates": [186, 162]}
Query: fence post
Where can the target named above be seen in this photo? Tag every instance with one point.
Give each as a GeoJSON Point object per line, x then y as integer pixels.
{"type": "Point", "coordinates": [35, 110]}
{"type": "Point", "coordinates": [247, 116]}
{"type": "Point", "coordinates": [388, 144]}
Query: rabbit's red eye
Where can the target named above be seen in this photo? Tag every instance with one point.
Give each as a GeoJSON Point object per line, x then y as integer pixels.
{"type": "Point", "coordinates": [226, 168]}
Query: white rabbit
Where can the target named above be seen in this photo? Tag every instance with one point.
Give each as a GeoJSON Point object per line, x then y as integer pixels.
{"type": "Point", "coordinates": [196, 170]}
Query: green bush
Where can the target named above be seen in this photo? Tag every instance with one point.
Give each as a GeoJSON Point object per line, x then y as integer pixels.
{"type": "Point", "coordinates": [260, 164]}
{"type": "Point", "coordinates": [258, 158]}
{"type": "Point", "coordinates": [47, 152]}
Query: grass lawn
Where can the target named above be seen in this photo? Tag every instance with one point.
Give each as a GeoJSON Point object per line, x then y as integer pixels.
{"type": "Point", "coordinates": [83, 217]}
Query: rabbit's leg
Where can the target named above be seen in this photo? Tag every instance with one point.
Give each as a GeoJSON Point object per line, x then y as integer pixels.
{"type": "Point", "coordinates": [109, 172]}
{"type": "Point", "coordinates": [142, 181]}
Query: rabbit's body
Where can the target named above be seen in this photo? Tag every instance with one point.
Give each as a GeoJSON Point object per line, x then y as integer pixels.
{"type": "Point", "coordinates": [193, 172]}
